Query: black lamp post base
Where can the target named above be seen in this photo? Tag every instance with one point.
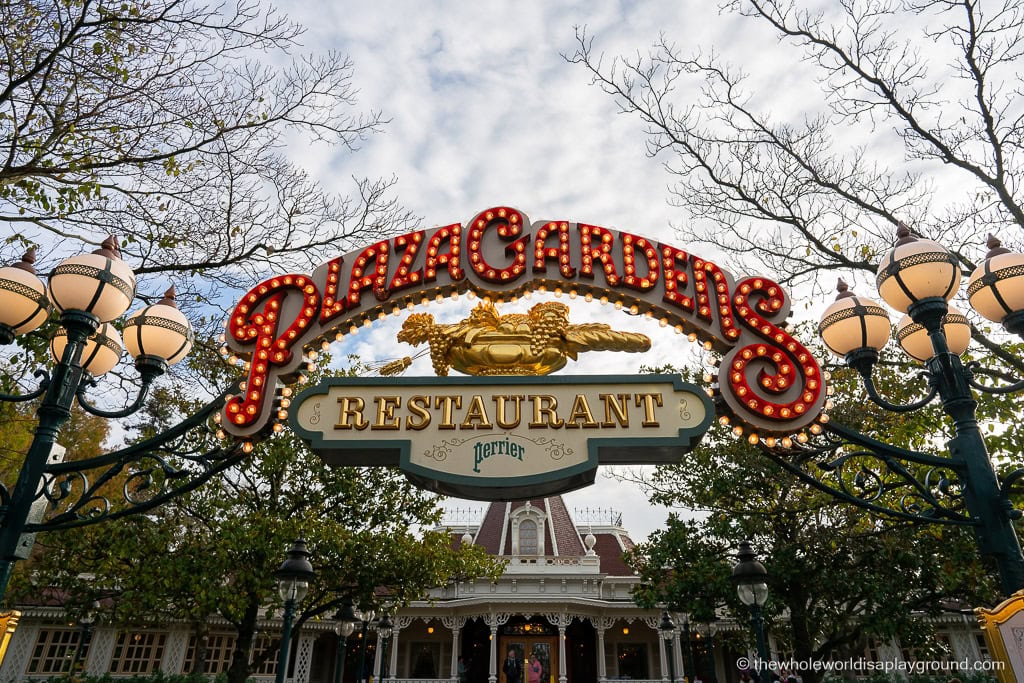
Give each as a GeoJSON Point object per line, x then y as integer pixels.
{"type": "Point", "coordinates": [862, 360]}
{"type": "Point", "coordinates": [1014, 323]}
{"type": "Point", "coordinates": [928, 312]}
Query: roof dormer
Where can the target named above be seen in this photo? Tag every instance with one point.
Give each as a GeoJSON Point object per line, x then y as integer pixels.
{"type": "Point", "coordinates": [528, 528]}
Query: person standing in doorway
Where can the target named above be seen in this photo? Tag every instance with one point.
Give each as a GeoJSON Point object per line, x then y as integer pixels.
{"type": "Point", "coordinates": [512, 667]}
{"type": "Point", "coordinates": [534, 670]}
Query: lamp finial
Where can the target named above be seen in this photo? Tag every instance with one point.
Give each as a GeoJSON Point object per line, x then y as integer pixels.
{"type": "Point", "coordinates": [27, 261]}
{"type": "Point", "coordinates": [109, 248]}
{"type": "Point", "coordinates": [995, 247]}
{"type": "Point", "coordinates": [904, 234]}
{"type": "Point", "coordinates": [169, 297]}
{"type": "Point", "coordinates": [843, 289]}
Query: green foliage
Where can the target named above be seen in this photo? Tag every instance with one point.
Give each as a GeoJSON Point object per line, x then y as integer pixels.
{"type": "Point", "coordinates": [214, 550]}
{"type": "Point", "coordinates": [158, 677]}
{"type": "Point", "coordinates": [838, 575]}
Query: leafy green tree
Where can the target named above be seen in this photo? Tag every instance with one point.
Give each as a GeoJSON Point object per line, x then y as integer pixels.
{"type": "Point", "coordinates": [214, 551]}
{"type": "Point", "coordinates": [839, 576]}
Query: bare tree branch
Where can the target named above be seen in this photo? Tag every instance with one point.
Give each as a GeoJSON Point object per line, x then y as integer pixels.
{"type": "Point", "coordinates": [919, 121]}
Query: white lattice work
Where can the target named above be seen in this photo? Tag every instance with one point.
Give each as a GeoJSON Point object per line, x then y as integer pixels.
{"type": "Point", "coordinates": [18, 652]}
{"type": "Point", "coordinates": [496, 619]}
{"type": "Point", "coordinates": [303, 657]}
{"type": "Point", "coordinates": [965, 646]}
{"type": "Point", "coordinates": [174, 653]}
{"type": "Point", "coordinates": [559, 619]}
{"type": "Point", "coordinates": [454, 622]}
{"type": "Point", "coordinates": [888, 652]}
{"type": "Point", "coordinates": [101, 649]}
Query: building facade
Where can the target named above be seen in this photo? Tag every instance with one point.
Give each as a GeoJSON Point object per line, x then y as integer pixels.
{"type": "Point", "coordinates": [565, 597]}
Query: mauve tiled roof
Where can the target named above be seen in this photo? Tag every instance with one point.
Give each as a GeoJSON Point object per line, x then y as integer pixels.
{"type": "Point", "coordinates": [610, 552]}
{"type": "Point", "coordinates": [489, 535]}
{"type": "Point", "coordinates": [560, 526]}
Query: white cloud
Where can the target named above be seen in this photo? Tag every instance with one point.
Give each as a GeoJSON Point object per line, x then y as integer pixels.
{"type": "Point", "coordinates": [485, 111]}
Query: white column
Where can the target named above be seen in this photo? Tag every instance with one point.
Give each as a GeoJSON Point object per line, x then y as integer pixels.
{"type": "Point", "coordinates": [661, 655]}
{"type": "Point", "coordinates": [677, 655]}
{"type": "Point", "coordinates": [375, 671]}
{"type": "Point", "coordinates": [455, 654]}
{"type": "Point", "coordinates": [561, 653]}
{"type": "Point", "coordinates": [602, 667]}
{"type": "Point", "coordinates": [492, 675]}
{"type": "Point", "coordinates": [393, 655]}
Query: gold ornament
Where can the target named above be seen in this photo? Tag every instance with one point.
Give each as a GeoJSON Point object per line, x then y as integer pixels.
{"type": "Point", "coordinates": [536, 343]}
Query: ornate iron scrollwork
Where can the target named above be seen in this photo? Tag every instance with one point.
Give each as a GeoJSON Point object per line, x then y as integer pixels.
{"type": "Point", "coordinates": [154, 470]}
{"type": "Point", "coordinates": [892, 481]}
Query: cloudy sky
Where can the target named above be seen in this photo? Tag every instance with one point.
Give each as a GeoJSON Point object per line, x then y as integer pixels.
{"type": "Point", "coordinates": [484, 111]}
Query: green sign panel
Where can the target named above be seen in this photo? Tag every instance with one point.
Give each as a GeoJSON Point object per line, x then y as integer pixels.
{"type": "Point", "coordinates": [502, 438]}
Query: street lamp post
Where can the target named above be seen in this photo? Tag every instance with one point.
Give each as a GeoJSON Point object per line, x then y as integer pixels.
{"type": "Point", "coordinates": [751, 579]}
{"type": "Point", "coordinates": [85, 625]}
{"type": "Point", "coordinates": [364, 614]}
{"type": "Point", "coordinates": [293, 577]}
{"type": "Point", "coordinates": [710, 640]}
{"type": "Point", "coordinates": [918, 277]}
{"type": "Point", "coordinates": [344, 624]}
{"type": "Point", "coordinates": [384, 630]}
{"type": "Point", "coordinates": [689, 647]}
{"type": "Point", "coordinates": [90, 292]}
{"type": "Point", "coordinates": [667, 629]}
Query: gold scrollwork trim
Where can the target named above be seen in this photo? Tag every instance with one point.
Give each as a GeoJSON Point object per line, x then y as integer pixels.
{"type": "Point", "coordinates": [8, 622]}
{"type": "Point", "coordinates": [989, 620]}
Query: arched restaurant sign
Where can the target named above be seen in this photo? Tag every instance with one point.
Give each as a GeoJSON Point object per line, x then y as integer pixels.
{"type": "Point", "coordinates": [768, 384]}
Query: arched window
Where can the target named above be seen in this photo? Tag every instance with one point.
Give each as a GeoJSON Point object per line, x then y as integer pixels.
{"type": "Point", "coordinates": [527, 537]}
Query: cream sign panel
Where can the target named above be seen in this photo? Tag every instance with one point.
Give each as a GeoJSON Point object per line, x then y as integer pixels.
{"type": "Point", "coordinates": [502, 437]}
